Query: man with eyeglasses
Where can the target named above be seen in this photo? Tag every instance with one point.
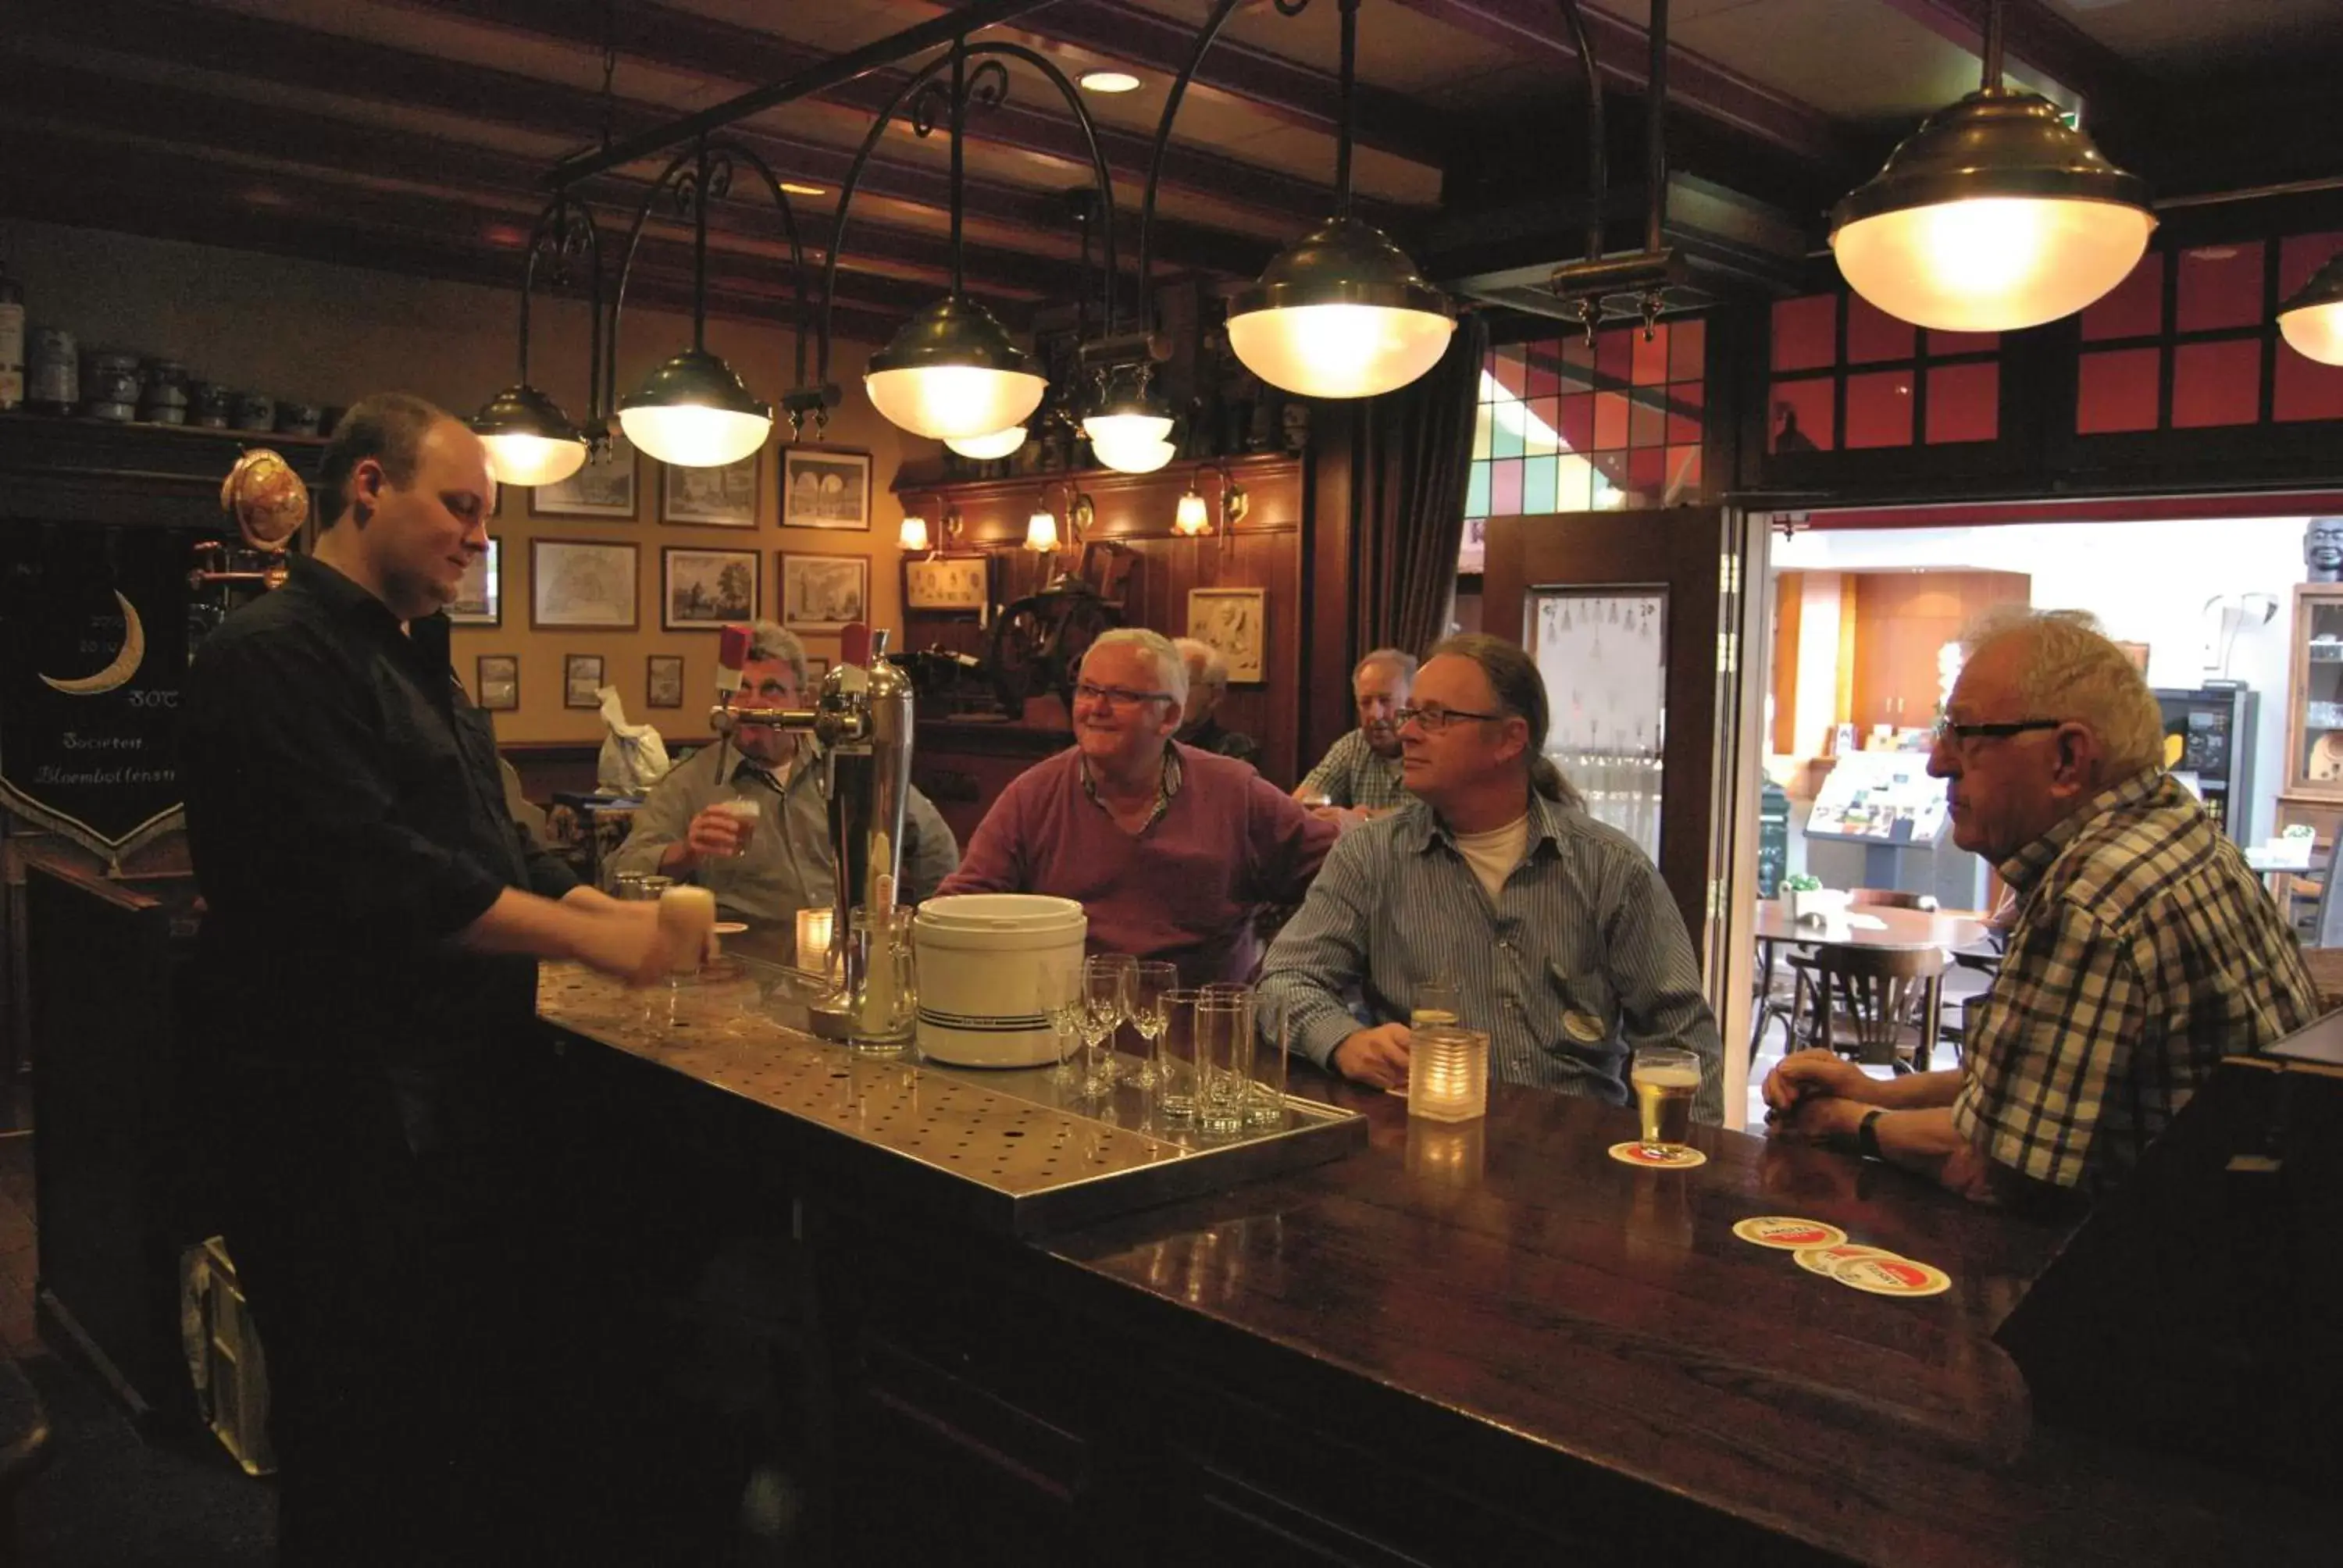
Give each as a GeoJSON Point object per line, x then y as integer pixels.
{"type": "Point", "coordinates": [1169, 849]}
{"type": "Point", "coordinates": [1360, 776]}
{"type": "Point", "coordinates": [1555, 930]}
{"type": "Point", "coordinates": [2143, 949]}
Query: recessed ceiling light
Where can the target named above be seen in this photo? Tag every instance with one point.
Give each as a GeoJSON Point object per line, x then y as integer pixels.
{"type": "Point", "coordinates": [794, 188]}
{"type": "Point", "coordinates": [1109, 81]}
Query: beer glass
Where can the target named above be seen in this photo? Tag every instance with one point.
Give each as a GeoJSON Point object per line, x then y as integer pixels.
{"type": "Point", "coordinates": [1435, 1004]}
{"type": "Point", "coordinates": [1666, 1077]}
{"type": "Point", "coordinates": [745, 813]}
{"type": "Point", "coordinates": [1179, 1058]}
{"type": "Point", "coordinates": [1150, 984]}
{"type": "Point", "coordinates": [1272, 1038]}
{"type": "Point", "coordinates": [1223, 1058]}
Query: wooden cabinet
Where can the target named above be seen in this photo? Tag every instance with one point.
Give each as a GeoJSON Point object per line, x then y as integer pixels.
{"type": "Point", "coordinates": [2314, 694]}
{"type": "Point", "coordinates": [1903, 619]}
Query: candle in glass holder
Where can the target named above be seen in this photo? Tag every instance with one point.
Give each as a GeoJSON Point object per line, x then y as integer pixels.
{"type": "Point", "coordinates": [1448, 1074]}
{"type": "Point", "coordinates": [688, 915]}
{"type": "Point", "coordinates": [813, 939]}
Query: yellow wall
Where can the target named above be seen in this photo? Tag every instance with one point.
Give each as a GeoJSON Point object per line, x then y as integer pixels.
{"type": "Point", "coordinates": [309, 332]}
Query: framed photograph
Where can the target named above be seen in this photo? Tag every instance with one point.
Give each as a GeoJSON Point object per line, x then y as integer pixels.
{"type": "Point", "coordinates": [704, 590]}
{"type": "Point", "coordinates": [496, 687]}
{"type": "Point", "coordinates": [1234, 620]}
{"type": "Point", "coordinates": [815, 670]}
{"type": "Point", "coordinates": [822, 593]}
{"type": "Point", "coordinates": [581, 583]}
{"type": "Point", "coordinates": [478, 601]}
{"type": "Point", "coordinates": [604, 489]}
{"type": "Point", "coordinates": [663, 683]}
{"type": "Point", "coordinates": [947, 582]}
{"type": "Point", "coordinates": [581, 679]}
{"type": "Point", "coordinates": [823, 487]}
{"type": "Point", "coordinates": [723, 497]}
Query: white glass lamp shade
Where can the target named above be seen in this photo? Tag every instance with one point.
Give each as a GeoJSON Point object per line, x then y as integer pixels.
{"type": "Point", "coordinates": [1342, 314]}
{"type": "Point", "coordinates": [2312, 320]}
{"type": "Point", "coordinates": [1041, 532]}
{"type": "Point", "coordinates": [952, 373]}
{"type": "Point", "coordinates": [1994, 216]}
{"type": "Point", "coordinates": [984, 449]}
{"type": "Point", "coordinates": [1131, 456]}
{"type": "Point", "coordinates": [694, 413]}
{"type": "Point", "coordinates": [530, 440]}
{"type": "Point", "coordinates": [1127, 430]}
{"type": "Point", "coordinates": [913, 534]}
{"type": "Point", "coordinates": [1192, 518]}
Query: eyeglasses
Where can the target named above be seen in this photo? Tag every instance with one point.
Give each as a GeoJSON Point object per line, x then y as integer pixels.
{"type": "Point", "coordinates": [1945, 729]}
{"type": "Point", "coordinates": [1117, 696]}
{"type": "Point", "coordinates": [1435, 720]}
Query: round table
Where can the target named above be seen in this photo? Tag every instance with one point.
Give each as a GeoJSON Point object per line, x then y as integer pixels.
{"type": "Point", "coordinates": [1953, 930]}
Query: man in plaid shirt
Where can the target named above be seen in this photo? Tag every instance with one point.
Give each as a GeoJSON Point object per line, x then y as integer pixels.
{"type": "Point", "coordinates": [2143, 949]}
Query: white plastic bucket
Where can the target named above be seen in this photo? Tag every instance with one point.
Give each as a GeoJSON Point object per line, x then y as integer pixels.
{"type": "Point", "coordinates": [987, 964]}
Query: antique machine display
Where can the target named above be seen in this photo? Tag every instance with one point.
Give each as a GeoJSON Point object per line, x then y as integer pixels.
{"type": "Point", "coordinates": [1039, 640]}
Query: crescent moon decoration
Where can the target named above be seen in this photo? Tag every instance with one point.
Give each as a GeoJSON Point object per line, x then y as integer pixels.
{"type": "Point", "coordinates": [125, 662]}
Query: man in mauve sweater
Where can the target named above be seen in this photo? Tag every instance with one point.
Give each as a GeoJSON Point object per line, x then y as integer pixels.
{"type": "Point", "coordinates": [1170, 849]}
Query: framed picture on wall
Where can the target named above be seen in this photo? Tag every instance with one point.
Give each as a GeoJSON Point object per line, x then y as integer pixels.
{"type": "Point", "coordinates": [663, 682]}
{"type": "Point", "coordinates": [1235, 621]}
{"type": "Point", "coordinates": [948, 582]}
{"type": "Point", "coordinates": [723, 497]}
{"type": "Point", "coordinates": [582, 583]}
{"type": "Point", "coordinates": [478, 602]}
{"type": "Point", "coordinates": [822, 593]}
{"type": "Point", "coordinates": [582, 680]}
{"type": "Point", "coordinates": [604, 487]}
{"type": "Point", "coordinates": [823, 487]}
{"type": "Point", "coordinates": [497, 686]}
{"type": "Point", "coordinates": [705, 589]}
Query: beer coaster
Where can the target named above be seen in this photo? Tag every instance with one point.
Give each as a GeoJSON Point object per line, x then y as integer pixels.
{"type": "Point", "coordinates": [1824, 1261]}
{"type": "Point", "coordinates": [1788, 1235]}
{"type": "Point", "coordinates": [730, 928]}
{"type": "Point", "coordinates": [1631, 1153]}
{"type": "Point", "coordinates": [1892, 1276]}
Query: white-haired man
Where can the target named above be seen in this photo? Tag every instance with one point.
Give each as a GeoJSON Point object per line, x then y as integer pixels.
{"type": "Point", "coordinates": [766, 869]}
{"type": "Point", "coordinates": [2143, 950]}
{"type": "Point", "coordinates": [1361, 772]}
{"type": "Point", "coordinates": [1208, 682]}
{"type": "Point", "coordinates": [1170, 850]}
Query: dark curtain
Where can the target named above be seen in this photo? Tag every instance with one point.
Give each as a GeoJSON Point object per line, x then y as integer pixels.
{"type": "Point", "coordinates": [1417, 452]}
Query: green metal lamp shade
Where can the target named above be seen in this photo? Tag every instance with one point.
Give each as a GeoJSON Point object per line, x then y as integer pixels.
{"type": "Point", "coordinates": [952, 373]}
{"type": "Point", "coordinates": [2312, 320]}
{"type": "Point", "coordinates": [531, 441]}
{"type": "Point", "coordinates": [1995, 214]}
{"type": "Point", "coordinates": [1342, 313]}
{"type": "Point", "coordinates": [694, 412]}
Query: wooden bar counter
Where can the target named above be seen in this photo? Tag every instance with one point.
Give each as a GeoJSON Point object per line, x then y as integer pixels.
{"type": "Point", "coordinates": [1474, 1344]}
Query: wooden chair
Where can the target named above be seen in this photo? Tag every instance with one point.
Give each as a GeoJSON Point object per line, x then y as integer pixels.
{"type": "Point", "coordinates": [1882, 1005]}
{"type": "Point", "coordinates": [1890, 899]}
{"type": "Point", "coordinates": [1793, 1008]}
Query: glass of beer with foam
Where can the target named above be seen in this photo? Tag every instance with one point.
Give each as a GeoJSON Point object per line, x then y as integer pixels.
{"type": "Point", "coordinates": [1666, 1077]}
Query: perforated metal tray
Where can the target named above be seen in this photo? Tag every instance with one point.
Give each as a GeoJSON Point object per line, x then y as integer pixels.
{"type": "Point", "coordinates": [1018, 1152]}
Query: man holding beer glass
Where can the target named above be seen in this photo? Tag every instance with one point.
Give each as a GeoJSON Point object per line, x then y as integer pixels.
{"type": "Point", "coordinates": [1555, 932]}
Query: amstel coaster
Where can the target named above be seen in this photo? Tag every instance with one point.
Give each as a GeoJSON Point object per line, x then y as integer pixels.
{"type": "Point", "coordinates": [1824, 1261]}
{"type": "Point", "coordinates": [730, 928]}
{"type": "Point", "coordinates": [1892, 1276]}
{"type": "Point", "coordinates": [1789, 1236]}
{"type": "Point", "coordinates": [1680, 1159]}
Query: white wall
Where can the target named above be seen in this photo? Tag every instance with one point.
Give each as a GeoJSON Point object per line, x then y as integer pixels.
{"type": "Point", "coordinates": [2148, 582]}
{"type": "Point", "coordinates": [1816, 689]}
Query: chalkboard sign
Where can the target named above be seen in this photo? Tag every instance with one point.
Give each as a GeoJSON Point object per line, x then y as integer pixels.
{"type": "Point", "coordinates": [93, 650]}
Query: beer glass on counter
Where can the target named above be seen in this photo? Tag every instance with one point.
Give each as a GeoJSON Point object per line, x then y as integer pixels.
{"type": "Point", "coordinates": [1150, 984]}
{"type": "Point", "coordinates": [1223, 1058]}
{"type": "Point", "coordinates": [1666, 1077]}
{"type": "Point", "coordinates": [1179, 1060]}
{"type": "Point", "coordinates": [1435, 1004]}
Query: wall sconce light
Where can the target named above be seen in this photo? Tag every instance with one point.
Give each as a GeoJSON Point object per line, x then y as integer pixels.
{"type": "Point", "coordinates": [1193, 520]}
{"type": "Point", "coordinates": [914, 535]}
{"type": "Point", "coordinates": [1042, 527]}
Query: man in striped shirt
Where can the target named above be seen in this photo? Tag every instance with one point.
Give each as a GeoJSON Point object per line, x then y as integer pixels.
{"type": "Point", "coordinates": [1555, 931]}
{"type": "Point", "coordinates": [1360, 775]}
{"type": "Point", "coordinates": [2143, 951]}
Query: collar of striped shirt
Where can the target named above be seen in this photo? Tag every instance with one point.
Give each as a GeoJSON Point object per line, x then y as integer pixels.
{"type": "Point", "coordinates": [1167, 788]}
{"type": "Point", "coordinates": [1422, 826]}
{"type": "Point", "coordinates": [2025, 868]}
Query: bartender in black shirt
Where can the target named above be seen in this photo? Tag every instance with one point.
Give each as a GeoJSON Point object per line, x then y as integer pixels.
{"type": "Point", "coordinates": [366, 979]}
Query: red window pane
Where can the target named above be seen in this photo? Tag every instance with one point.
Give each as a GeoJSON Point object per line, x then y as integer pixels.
{"type": "Point", "coordinates": [1801, 416]}
{"type": "Point", "coordinates": [1805, 332]}
{"type": "Point", "coordinates": [2117, 391]}
{"type": "Point", "coordinates": [1577, 425]}
{"type": "Point", "coordinates": [1684, 474]}
{"type": "Point", "coordinates": [1687, 350]}
{"type": "Point", "coordinates": [1651, 358]}
{"type": "Point", "coordinates": [1647, 420]}
{"type": "Point", "coordinates": [2216, 383]}
{"type": "Point", "coordinates": [1943, 343]}
{"type": "Point", "coordinates": [1614, 357]}
{"type": "Point", "coordinates": [1610, 421]}
{"type": "Point", "coordinates": [1963, 403]}
{"type": "Point", "coordinates": [1505, 365]}
{"type": "Point", "coordinates": [1576, 351]}
{"type": "Point", "coordinates": [1684, 399]}
{"type": "Point", "coordinates": [2220, 286]}
{"type": "Point", "coordinates": [2302, 255]}
{"type": "Point", "coordinates": [1872, 335]}
{"type": "Point", "coordinates": [1505, 488]}
{"type": "Point", "coordinates": [2305, 390]}
{"type": "Point", "coordinates": [1647, 475]}
{"type": "Point", "coordinates": [1879, 410]}
{"type": "Point", "coordinates": [1538, 431]}
{"type": "Point", "coordinates": [2133, 308]}
{"type": "Point", "coordinates": [1545, 375]}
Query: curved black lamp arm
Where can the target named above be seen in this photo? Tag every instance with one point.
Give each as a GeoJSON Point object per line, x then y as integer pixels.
{"type": "Point", "coordinates": [626, 270]}
{"type": "Point", "coordinates": [983, 88]}
{"type": "Point", "coordinates": [564, 228]}
{"type": "Point", "coordinates": [1598, 156]}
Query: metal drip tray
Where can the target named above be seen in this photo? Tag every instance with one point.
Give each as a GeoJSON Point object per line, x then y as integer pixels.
{"type": "Point", "coordinates": [1018, 1150]}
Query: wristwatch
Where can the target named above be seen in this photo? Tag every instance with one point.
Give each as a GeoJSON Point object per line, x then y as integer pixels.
{"type": "Point", "coordinates": [1866, 1133]}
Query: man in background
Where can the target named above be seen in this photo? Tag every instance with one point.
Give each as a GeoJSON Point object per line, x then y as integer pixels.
{"type": "Point", "coordinates": [1208, 682]}
{"type": "Point", "coordinates": [1361, 772]}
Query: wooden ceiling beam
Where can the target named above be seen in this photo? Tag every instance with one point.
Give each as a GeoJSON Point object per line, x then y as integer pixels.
{"type": "Point", "coordinates": [2034, 35]}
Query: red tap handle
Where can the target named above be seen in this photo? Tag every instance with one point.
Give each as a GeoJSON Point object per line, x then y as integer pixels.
{"type": "Point", "coordinates": [854, 644]}
{"type": "Point", "coordinates": [731, 658]}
